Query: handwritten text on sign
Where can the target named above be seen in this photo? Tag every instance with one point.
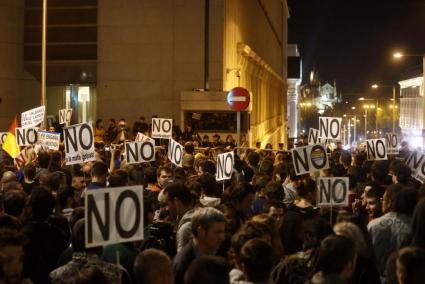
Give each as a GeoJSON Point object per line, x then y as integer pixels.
{"type": "Point", "coordinates": [33, 117]}
{"type": "Point", "coordinates": [79, 144]}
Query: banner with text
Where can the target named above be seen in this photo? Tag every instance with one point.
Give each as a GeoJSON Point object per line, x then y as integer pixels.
{"type": "Point", "coordinates": [49, 140]}
{"type": "Point", "coordinates": [26, 136]}
{"type": "Point", "coordinates": [33, 117]}
{"type": "Point", "coordinates": [79, 143]}
{"type": "Point", "coordinates": [113, 215]}
{"type": "Point", "coordinates": [308, 159]}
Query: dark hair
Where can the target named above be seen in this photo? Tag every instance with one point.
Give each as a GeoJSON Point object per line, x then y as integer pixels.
{"type": "Point", "coordinates": [346, 158]}
{"type": "Point", "coordinates": [189, 148]}
{"type": "Point", "coordinates": [257, 257]}
{"type": "Point", "coordinates": [275, 192]}
{"type": "Point", "coordinates": [379, 171]}
{"type": "Point", "coordinates": [180, 191]}
{"type": "Point", "coordinates": [335, 253]}
{"type": "Point", "coordinates": [375, 192]}
{"type": "Point", "coordinates": [209, 185]}
{"type": "Point", "coordinates": [29, 171]}
{"type": "Point", "coordinates": [165, 169]}
{"type": "Point", "coordinates": [91, 274]}
{"type": "Point", "coordinates": [43, 159]}
{"type": "Point", "coordinates": [56, 179]}
{"type": "Point", "coordinates": [281, 171]}
{"type": "Point", "coordinates": [99, 169]}
{"type": "Point", "coordinates": [14, 202]}
{"type": "Point", "coordinates": [207, 166]}
{"type": "Point", "coordinates": [306, 187]}
{"type": "Point", "coordinates": [405, 201]}
{"type": "Point", "coordinates": [150, 175]}
{"type": "Point", "coordinates": [253, 158]}
{"type": "Point", "coordinates": [411, 264]}
{"type": "Point", "coordinates": [249, 230]}
{"type": "Point", "coordinates": [10, 237]}
{"type": "Point", "coordinates": [247, 173]}
{"type": "Point", "coordinates": [10, 222]}
{"type": "Point", "coordinates": [418, 225]}
{"type": "Point", "coordinates": [42, 203]}
{"type": "Point", "coordinates": [240, 192]}
{"type": "Point", "coordinates": [64, 193]}
{"type": "Point", "coordinates": [211, 269]}
{"type": "Point", "coordinates": [403, 174]}
{"type": "Point", "coordinates": [118, 178]}
{"type": "Point", "coordinates": [150, 265]}
{"type": "Point", "coordinates": [266, 167]}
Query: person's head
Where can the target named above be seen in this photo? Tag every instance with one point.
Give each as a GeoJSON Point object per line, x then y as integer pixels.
{"type": "Point", "coordinates": [99, 172]}
{"type": "Point", "coordinates": [379, 171]}
{"type": "Point", "coordinates": [55, 160]}
{"type": "Point", "coordinates": [373, 197]}
{"type": "Point", "coordinates": [306, 190]}
{"type": "Point", "coordinates": [91, 274]}
{"type": "Point", "coordinates": [274, 192]}
{"type": "Point", "coordinates": [152, 266]}
{"type": "Point", "coordinates": [337, 255]}
{"type": "Point", "coordinates": [250, 230]}
{"type": "Point", "coordinates": [118, 178]}
{"type": "Point", "coordinates": [111, 122]}
{"type": "Point", "coordinates": [280, 173]}
{"type": "Point", "coordinates": [400, 199]}
{"type": "Point", "coordinates": [98, 123]}
{"type": "Point", "coordinates": [11, 255]}
{"type": "Point", "coordinates": [43, 159]}
{"type": "Point", "coordinates": [41, 203]}
{"type": "Point", "coordinates": [209, 185]}
{"type": "Point", "coordinates": [256, 260]}
{"type": "Point", "coordinates": [242, 196]}
{"type": "Point", "coordinates": [65, 198]}
{"type": "Point", "coordinates": [162, 174]}
{"type": "Point", "coordinates": [57, 179]}
{"type": "Point", "coordinates": [411, 265]}
{"type": "Point", "coordinates": [29, 171]}
{"type": "Point", "coordinates": [189, 148]}
{"type": "Point", "coordinates": [403, 174]}
{"type": "Point", "coordinates": [266, 167]}
{"type": "Point", "coordinates": [211, 269]}
{"type": "Point", "coordinates": [14, 202]}
{"type": "Point", "coordinates": [122, 124]}
{"type": "Point", "coordinates": [345, 159]}
{"type": "Point", "coordinates": [277, 211]}
{"type": "Point", "coordinates": [10, 222]}
{"type": "Point", "coordinates": [216, 138]}
{"type": "Point", "coordinates": [78, 180]}
{"type": "Point", "coordinates": [208, 228]}
{"type": "Point", "coordinates": [8, 176]}
{"type": "Point", "coordinates": [179, 198]}
{"type": "Point", "coordinates": [351, 231]}
{"type": "Point", "coordinates": [207, 166]}
{"type": "Point", "coordinates": [253, 159]}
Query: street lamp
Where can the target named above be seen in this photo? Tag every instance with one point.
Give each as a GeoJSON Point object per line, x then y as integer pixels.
{"type": "Point", "coordinates": [354, 118]}
{"type": "Point", "coordinates": [376, 86]}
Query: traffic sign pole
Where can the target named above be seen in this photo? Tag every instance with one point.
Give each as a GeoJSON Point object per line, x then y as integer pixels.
{"type": "Point", "coordinates": [238, 129]}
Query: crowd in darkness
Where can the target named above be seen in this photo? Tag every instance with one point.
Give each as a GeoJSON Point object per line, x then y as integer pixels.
{"type": "Point", "coordinates": [261, 226]}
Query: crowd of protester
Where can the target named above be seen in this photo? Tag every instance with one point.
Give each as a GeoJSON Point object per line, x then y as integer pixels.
{"type": "Point", "coordinates": [261, 226]}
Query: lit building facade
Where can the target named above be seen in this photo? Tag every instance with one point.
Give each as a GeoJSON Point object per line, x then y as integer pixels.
{"type": "Point", "coordinates": [411, 110]}
{"type": "Point", "coordinates": [294, 82]}
{"type": "Point", "coordinates": [109, 58]}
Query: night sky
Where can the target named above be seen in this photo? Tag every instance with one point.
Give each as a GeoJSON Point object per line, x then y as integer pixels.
{"type": "Point", "coordinates": [353, 41]}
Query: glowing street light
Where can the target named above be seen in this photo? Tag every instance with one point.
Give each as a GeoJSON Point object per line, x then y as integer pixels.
{"type": "Point", "coordinates": [398, 55]}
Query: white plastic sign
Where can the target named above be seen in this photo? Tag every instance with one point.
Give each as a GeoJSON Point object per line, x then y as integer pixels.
{"type": "Point", "coordinates": [175, 153]}
{"type": "Point", "coordinates": [332, 191]}
{"type": "Point", "coordinates": [376, 149]}
{"type": "Point", "coordinates": [113, 215]}
{"type": "Point", "coordinates": [225, 164]}
{"type": "Point", "coordinates": [140, 152]}
{"type": "Point", "coordinates": [313, 137]}
{"type": "Point", "coordinates": [392, 143]}
{"type": "Point", "coordinates": [26, 136]}
{"type": "Point", "coordinates": [330, 128]}
{"type": "Point", "coordinates": [65, 116]}
{"type": "Point", "coordinates": [49, 140]}
{"type": "Point", "coordinates": [162, 128]}
{"type": "Point", "coordinates": [33, 117]}
{"type": "Point", "coordinates": [79, 144]}
{"type": "Point", "coordinates": [308, 159]}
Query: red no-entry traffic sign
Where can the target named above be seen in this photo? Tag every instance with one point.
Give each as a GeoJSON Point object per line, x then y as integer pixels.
{"type": "Point", "coordinates": [238, 98]}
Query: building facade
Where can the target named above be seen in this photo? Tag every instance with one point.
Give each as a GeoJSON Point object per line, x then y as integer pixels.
{"type": "Point", "coordinates": [128, 58]}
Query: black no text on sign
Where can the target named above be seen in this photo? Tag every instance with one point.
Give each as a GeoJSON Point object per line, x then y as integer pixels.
{"type": "Point", "coordinates": [113, 215]}
{"type": "Point", "coordinates": [225, 164]}
{"type": "Point", "coordinates": [332, 191]}
{"type": "Point", "coordinates": [376, 149]}
{"type": "Point", "coordinates": [308, 159]}
{"type": "Point", "coordinates": [330, 128]}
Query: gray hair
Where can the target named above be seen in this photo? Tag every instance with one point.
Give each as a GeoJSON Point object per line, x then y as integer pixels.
{"type": "Point", "coordinates": [354, 233]}
{"type": "Point", "coordinates": [205, 217]}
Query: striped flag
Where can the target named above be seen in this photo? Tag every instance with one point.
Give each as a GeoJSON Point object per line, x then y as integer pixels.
{"type": "Point", "coordinates": [10, 145]}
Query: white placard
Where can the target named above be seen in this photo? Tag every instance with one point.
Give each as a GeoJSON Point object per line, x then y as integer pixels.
{"type": "Point", "coordinates": [175, 153]}
{"type": "Point", "coordinates": [330, 128]}
{"type": "Point", "coordinates": [376, 149]}
{"type": "Point", "coordinates": [33, 117]}
{"type": "Point", "coordinates": [332, 191]}
{"type": "Point", "coordinates": [414, 161]}
{"type": "Point", "coordinates": [313, 137]}
{"type": "Point", "coordinates": [26, 136]}
{"type": "Point", "coordinates": [113, 215]}
{"type": "Point", "coordinates": [3, 136]}
{"type": "Point", "coordinates": [225, 164]}
{"type": "Point", "coordinates": [79, 144]}
{"type": "Point", "coordinates": [49, 140]}
{"type": "Point", "coordinates": [140, 152]}
{"type": "Point", "coordinates": [65, 116]}
{"type": "Point", "coordinates": [391, 140]}
{"type": "Point", "coordinates": [311, 158]}
{"type": "Point", "coordinates": [21, 159]}
{"type": "Point", "coordinates": [141, 137]}
{"type": "Point", "coordinates": [162, 128]}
